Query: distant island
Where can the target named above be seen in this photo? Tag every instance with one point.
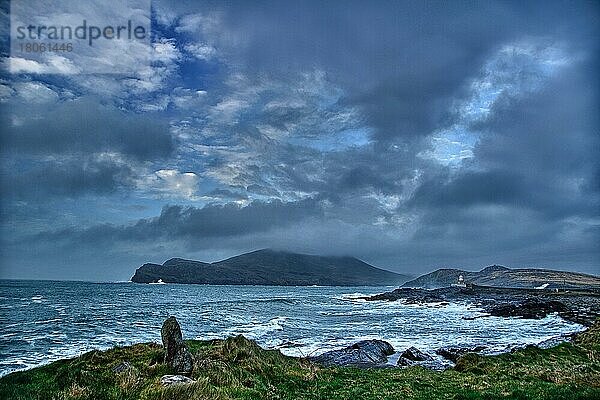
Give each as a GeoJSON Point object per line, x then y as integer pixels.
{"type": "Point", "coordinates": [270, 267]}
{"type": "Point", "coordinates": [503, 277]}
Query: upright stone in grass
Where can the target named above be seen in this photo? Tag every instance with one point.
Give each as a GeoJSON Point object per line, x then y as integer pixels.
{"type": "Point", "coordinates": [177, 355]}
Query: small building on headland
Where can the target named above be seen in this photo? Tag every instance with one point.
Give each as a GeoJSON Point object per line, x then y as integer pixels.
{"type": "Point", "coordinates": [460, 282]}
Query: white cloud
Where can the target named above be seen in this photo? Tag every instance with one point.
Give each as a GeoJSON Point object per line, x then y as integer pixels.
{"type": "Point", "coordinates": [6, 92]}
{"type": "Point", "coordinates": [229, 110]}
{"type": "Point", "coordinates": [517, 68]}
{"type": "Point", "coordinates": [170, 183]}
{"type": "Point", "coordinates": [164, 15]}
{"type": "Point", "coordinates": [186, 98]}
{"type": "Point", "coordinates": [116, 55]}
{"type": "Point", "coordinates": [201, 51]}
{"type": "Point", "coordinates": [165, 51]}
{"type": "Point", "coordinates": [52, 64]}
{"type": "Point", "coordinates": [35, 92]}
{"type": "Point", "coordinates": [203, 23]}
{"type": "Point", "coordinates": [159, 103]}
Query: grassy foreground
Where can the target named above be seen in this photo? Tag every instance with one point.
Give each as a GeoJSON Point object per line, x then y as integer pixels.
{"type": "Point", "coordinates": [237, 368]}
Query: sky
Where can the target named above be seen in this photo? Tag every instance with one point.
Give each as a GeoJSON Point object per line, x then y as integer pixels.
{"type": "Point", "coordinates": [412, 135]}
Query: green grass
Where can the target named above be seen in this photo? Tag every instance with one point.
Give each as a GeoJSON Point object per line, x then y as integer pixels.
{"type": "Point", "coordinates": [237, 368]}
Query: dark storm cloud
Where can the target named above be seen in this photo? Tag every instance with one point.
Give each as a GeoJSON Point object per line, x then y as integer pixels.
{"type": "Point", "coordinates": [469, 189]}
{"type": "Point", "coordinates": [401, 62]}
{"type": "Point", "coordinates": [546, 145]}
{"type": "Point", "coordinates": [550, 130]}
{"type": "Point", "coordinates": [231, 220]}
{"type": "Point", "coordinates": [398, 73]}
{"type": "Point", "coordinates": [37, 180]}
{"type": "Point", "coordinates": [528, 194]}
{"type": "Point", "coordinates": [364, 176]}
{"type": "Point", "coordinates": [83, 252]}
{"type": "Point", "coordinates": [191, 223]}
{"type": "Point", "coordinates": [84, 125]}
{"type": "Point", "coordinates": [75, 147]}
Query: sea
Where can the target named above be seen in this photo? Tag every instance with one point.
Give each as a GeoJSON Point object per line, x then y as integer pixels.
{"type": "Point", "coordinates": [43, 321]}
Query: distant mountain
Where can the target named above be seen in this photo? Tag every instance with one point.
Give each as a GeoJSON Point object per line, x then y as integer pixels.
{"type": "Point", "coordinates": [499, 276]}
{"type": "Point", "coordinates": [269, 267]}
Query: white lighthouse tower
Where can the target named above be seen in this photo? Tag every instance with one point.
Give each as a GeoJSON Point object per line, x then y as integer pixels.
{"type": "Point", "coordinates": [461, 282]}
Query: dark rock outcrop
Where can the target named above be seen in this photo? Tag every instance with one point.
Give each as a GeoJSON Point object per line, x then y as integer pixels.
{"type": "Point", "coordinates": [529, 309]}
{"type": "Point", "coordinates": [177, 355]}
{"type": "Point", "coordinates": [414, 354]}
{"type": "Point", "coordinates": [453, 353]}
{"type": "Point", "coordinates": [579, 306]}
{"type": "Point", "coordinates": [364, 354]}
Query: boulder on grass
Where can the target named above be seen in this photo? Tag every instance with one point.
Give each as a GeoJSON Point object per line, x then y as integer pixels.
{"type": "Point", "coordinates": [122, 367]}
{"type": "Point", "coordinates": [168, 380]}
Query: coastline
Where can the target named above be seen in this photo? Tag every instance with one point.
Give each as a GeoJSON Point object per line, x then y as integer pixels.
{"type": "Point", "coordinates": [578, 306]}
{"type": "Point", "coordinates": [47, 323]}
{"type": "Point", "coordinates": [238, 368]}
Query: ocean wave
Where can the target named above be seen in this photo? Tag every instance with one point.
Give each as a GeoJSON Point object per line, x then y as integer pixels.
{"type": "Point", "coordinates": [255, 330]}
{"type": "Point", "coordinates": [48, 321]}
{"type": "Point", "coordinates": [351, 296]}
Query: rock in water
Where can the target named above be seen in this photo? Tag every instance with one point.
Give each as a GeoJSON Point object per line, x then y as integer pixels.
{"type": "Point", "coordinates": [177, 355]}
{"type": "Point", "coordinates": [453, 353]}
{"type": "Point", "coordinates": [414, 354]}
{"type": "Point", "coordinates": [366, 353]}
{"type": "Point", "coordinates": [529, 309]}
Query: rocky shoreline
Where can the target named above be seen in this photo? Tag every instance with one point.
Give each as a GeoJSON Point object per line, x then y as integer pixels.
{"type": "Point", "coordinates": [372, 353]}
{"type": "Point", "coordinates": [237, 367]}
{"type": "Point", "coordinates": [582, 307]}
{"type": "Point", "coordinates": [376, 353]}
{"type": "Point", "coordinates": [579, 306]}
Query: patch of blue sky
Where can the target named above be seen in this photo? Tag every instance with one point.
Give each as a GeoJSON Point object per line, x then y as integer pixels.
{"type": "Point", "coordinates": [515, 70]}
{"type": "Point", "coordinates": [336, 141]}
